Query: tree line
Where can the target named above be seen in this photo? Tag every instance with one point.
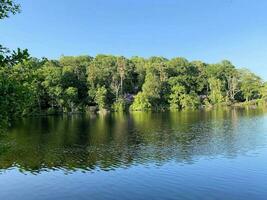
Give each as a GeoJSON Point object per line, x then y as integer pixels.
{"type": "Point", "coordinates": [76, 83]}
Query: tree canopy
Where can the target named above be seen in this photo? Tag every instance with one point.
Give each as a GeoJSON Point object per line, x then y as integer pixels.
{"type": "Point", "coordinates": [74, 83]}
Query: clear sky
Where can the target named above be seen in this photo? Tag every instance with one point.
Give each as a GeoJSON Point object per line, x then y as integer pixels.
{"type": "Point", "coordinates": [208, 30]}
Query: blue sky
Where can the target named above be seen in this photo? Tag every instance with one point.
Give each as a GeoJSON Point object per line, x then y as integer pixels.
{"type": "Point", "coordinates": [208, 30]}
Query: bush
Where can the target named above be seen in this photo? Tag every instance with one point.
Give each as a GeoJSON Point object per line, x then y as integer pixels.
{"type": "Point", "coordinates": [100, 97]}
{"type": "Point", "coordinates": [120, 105]}
{"type": "Point", "coordinates": [190, 101]}
{"type": "Point", "coordinates": [141, 103]}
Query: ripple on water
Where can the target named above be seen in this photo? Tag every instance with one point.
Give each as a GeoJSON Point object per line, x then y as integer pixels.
{"type": "Point", "coordinates": [191, 155]}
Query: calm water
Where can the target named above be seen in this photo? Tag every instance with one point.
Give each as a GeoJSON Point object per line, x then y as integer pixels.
{"type": "Point", "coordinates": [219, 154]}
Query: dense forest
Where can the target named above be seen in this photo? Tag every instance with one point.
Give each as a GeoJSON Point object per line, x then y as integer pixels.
{"type": "Point", "coordinates": [115, 83]}
{"type": "Point", "coordinates": [73, 84]}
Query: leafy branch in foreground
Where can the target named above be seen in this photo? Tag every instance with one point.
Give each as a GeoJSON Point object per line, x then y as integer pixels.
{"type": "Point", "coordinates": [8, 7]}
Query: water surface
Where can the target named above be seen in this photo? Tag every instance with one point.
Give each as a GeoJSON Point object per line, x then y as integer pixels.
{"type": "Point", "coordinates": [217, 154]}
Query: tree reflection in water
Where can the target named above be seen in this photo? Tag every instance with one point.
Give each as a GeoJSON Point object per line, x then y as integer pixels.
{"type": "Point", "coordinates": [122, 140]}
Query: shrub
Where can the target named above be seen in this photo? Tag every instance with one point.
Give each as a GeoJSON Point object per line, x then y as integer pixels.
{"type": "Point", "coordinates": [141, 103]}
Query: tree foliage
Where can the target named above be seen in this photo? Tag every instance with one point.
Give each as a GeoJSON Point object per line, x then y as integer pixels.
{"type": "Point", "coordinates": [8, 57]}
{"type": "Point", "coordinates": [215, 95]}
{"type": "Point", "coordinates": [264, 91]}
{"type": "Point", "coordinates": [74, 83]}
{"type": "Point", "coordinates": [8, 7]}
{"type": "Point", "coordinates": [101, 97]}
{"type": "Point", "coordinates": [141, 103]}
{"type": "Point", "coordinates": [250, 85]}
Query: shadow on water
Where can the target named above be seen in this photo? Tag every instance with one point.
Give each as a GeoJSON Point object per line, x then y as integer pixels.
{"type": "Point", "coordinates": [113, 141]}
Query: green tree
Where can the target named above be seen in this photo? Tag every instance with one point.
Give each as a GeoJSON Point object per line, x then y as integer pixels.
{"type": "Point", "coordinates": [139, 74]}
{"type": "Point", "coordinates": [190, 101]}
{"type": "Point", "coordinates": [120, 105]}
{"type": "Point", "coordinates": [215, 96]}
{"type": "Point", "coordinates": [264, 91]}
{"type": "Point", "coordinates": [227, 74]}
{"type": "Point", "coordinates": [101, 72]}
{"type": "Point", "coordinates": [7, 57]}
{"type": "Point", "coordinates": [151, 87]}
{"type": "Point", "coordinates": [50, 75]}
{"type": "Point", "coordinates": [14, 95]}
{"type": "Point", "coordinates": [190, 75]}
{"type": "Point", "coordinates": [179, 99]}
{"type": "Point", "coordinates": [250, 85]}
{"type": "Point", "coordinates": [121, 68]}
{"type": "Point", "coordinates": [101, 97]}
{"type": "Point", "coordinates": [200, 80]}
{"type": "Point", "coordinates": [8, 7]}
{"type": "Point", "coordinates": [74, 74]}
{"type": "Point", "coordinates": [141, 103]}
{"type": "Point", "coordinates": [71, 98]}
{"type": "Point", "coordinates": [175, 97]}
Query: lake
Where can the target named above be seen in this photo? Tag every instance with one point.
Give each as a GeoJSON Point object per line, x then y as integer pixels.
{"type": "Point", "coordinates": [216, 154]}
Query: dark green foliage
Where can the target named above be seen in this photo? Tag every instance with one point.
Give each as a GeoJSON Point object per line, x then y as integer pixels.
{"type": "Point", "coordinates": [264, 91]}
{"type": "Point", "coordinates": [120, 105]}
{"type": "Point", "coordinates": [8, 7]}
{"type": "Point", "coordinates": [251, 85]}
{"type": "Point", "coordinates": [73, 83]}
{"type": "Point", "coordinates": [8, 57]}
{"type": "Point", "coordinates": [113, 82]}
{"type": "Point", "coordinates": [101, 97]}
{"type": "Point", "coordinates": [141, 103]}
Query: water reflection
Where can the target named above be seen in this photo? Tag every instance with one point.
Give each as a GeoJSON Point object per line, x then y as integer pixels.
{"type": "Point", "coordinates": [122, 140]}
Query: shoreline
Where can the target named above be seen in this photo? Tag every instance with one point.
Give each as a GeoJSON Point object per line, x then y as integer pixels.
{"type": "Point", "coordinates": [254, 104]}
